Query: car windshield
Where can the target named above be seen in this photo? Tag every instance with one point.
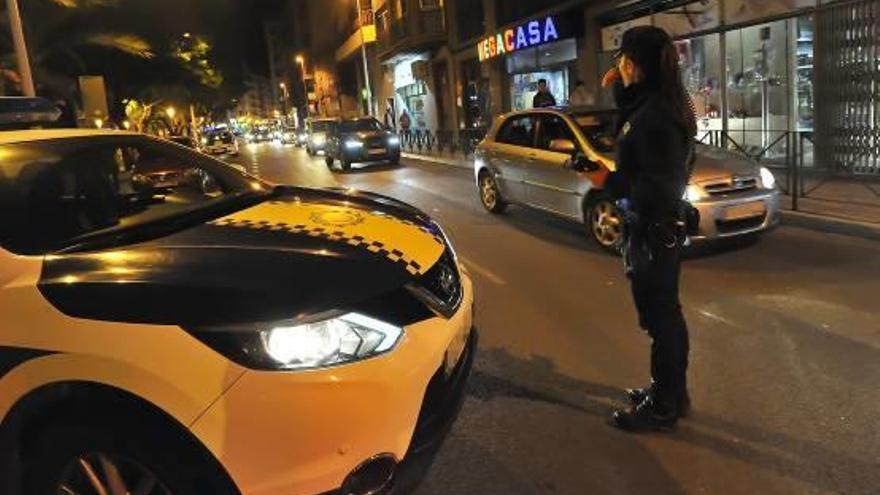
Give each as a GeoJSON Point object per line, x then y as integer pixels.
{"type": "Point", "coordinates": [69, 194]}
{"type": "Point", "coordinates": [220, 137]}
{"type": "Point", "coordinates": [321, 126]}
{"type": "Point", "coordinates": [360, 125]}
{"type": "Point", "coordinates": [598, 128]}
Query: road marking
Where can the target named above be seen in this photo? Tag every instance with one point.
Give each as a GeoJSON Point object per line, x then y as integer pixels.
{"type": "Point", "coordinates": [717, 318]}
{"type": "Point", "coordinates": [485, 272]}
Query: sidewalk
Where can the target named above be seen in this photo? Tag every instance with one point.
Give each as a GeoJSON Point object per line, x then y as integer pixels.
{"type": "Point", "coordinates": [840, 207]}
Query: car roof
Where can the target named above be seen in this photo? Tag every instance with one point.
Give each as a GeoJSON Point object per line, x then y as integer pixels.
{"type": "Point", "coordinates": [13, 137]}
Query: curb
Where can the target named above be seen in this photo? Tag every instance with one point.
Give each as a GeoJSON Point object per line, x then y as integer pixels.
{"type": "Point", "coordinates": [452, 162]}
{"type": "Point", "coordinates": [831, 224]}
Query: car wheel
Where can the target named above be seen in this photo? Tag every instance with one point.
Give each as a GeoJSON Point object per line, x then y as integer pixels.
{"type": "Point", "coordinates": [329, 161]}
{"type": "Point", "coordinates": [605, 224]}
{"type": "Point", "coordinates": [345, 163]}
{"type": "Point", "coordinates": [98, 458]}
{"type": "Point", "coordinates": [490, 196]}
{"type": "Point", "coordinates": [310, 151]}
{"type": "Point", "coordinates": [395, 161]}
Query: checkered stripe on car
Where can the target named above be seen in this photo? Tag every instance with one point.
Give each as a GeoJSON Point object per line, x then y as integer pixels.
{"type": "Point", "coordinates": [330, 234]}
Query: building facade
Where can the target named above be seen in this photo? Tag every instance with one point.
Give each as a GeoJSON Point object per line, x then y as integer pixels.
{"type": "Point", "coordinates": [771, 77]}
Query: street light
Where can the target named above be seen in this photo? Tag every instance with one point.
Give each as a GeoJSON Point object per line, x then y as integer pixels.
{"type": "Point", "coordinates": [171, 112]}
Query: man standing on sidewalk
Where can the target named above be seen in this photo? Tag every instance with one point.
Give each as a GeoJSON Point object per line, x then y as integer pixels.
{"type": "Point", "coordinates": [544, 98]}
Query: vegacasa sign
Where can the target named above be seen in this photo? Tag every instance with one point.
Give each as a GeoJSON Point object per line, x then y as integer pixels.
{"type": "Point", "coordinates": [532, 33]}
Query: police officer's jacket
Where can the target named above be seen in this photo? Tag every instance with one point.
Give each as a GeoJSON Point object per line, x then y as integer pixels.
{"type": "Point", "coordinates": [654, 154]}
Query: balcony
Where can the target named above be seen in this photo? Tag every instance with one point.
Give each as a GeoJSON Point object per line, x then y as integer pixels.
{"type": "Point", "coordinates": [416, 31]}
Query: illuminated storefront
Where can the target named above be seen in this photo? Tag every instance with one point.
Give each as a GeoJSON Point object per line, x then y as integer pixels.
{"type": "Point", "coordinates": [753, 71]}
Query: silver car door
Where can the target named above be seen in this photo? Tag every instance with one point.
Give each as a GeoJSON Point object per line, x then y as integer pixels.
{"type": "Point", "coordinates": [551, 183]}
{"type": "Point", "coordinates": [514, 143]}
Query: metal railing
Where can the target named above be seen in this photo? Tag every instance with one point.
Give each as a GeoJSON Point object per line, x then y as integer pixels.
{"type": "Point", "coordinates": [441, 141]}
{"type": "Point", "coordinates": [791, 156]}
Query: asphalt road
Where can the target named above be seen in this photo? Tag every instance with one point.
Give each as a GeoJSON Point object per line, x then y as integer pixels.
{"type": "Point", "coordinates": [785, 338]}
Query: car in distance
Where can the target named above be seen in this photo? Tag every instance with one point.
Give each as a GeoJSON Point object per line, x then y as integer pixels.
{"type": "Point", "coordinates": [220, 143]}
{"type": "Point", "coordinates": [288, 135]}
{"type": "Point", "coordinates": [259, 134]}
{"type": "Point", "coordinates": [319, 131]}
{"type": "Point", "coordinates": [557, 159]}
{"type": "Point", "coordinates": [364, 140]}
{"type": "Point", "coordinates": [335, 363]}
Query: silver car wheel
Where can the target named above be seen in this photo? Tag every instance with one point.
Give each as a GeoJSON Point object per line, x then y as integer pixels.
{"type": "Point", "coordinates": [105, 474]}
{"type": "Point", "coordinates": [488, 192]}
{"type": "Point", "coordinates": [606, 223]}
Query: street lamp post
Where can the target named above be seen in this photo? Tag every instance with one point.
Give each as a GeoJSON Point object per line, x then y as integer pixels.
{"type": "Point", "coordinates": [302, 70]}
{"type": "Point", "coordinates": [367, 85]}
{"type": "Point", "coordinates": [21, 53]}
{"type": "Point", "coordinates": [285, 96]}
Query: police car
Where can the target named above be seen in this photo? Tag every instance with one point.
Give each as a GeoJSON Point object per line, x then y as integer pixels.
{"type": "Point", "coordinates": [172, 325]}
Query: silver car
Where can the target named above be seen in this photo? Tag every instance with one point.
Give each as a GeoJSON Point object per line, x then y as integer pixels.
{"type": "Point", "coordinates": [557, 160]}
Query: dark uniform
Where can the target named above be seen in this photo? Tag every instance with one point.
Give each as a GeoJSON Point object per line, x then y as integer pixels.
{"type": "Point", "coordinates": [654, 156]}
{"type": "Point", "coordinates": [543, 99]}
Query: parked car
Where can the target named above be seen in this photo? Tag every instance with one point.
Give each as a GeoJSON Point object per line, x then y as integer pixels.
{"type": "Point", "coordinates": [363, 140]}
{"type": "Point", "coordinates": [220, 143]}
{"type": "Point", "coordinates": [557, 160]}
{"type": "Point", "coordinates": [172, 325]}
{"type": "Point", "coordinates": [318, 132]}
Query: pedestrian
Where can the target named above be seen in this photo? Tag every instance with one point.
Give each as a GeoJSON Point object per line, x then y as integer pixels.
{"type": "Point", "coordinates": [405, 122]}
{"type": "Point", "coordinates": [544, 98]}
{"type": "Point", "coordinates": [581, 96]}
{"type": "Point", "coordinates": [655, 156]}
{"type": "Point", "coordinates": [389, 117]}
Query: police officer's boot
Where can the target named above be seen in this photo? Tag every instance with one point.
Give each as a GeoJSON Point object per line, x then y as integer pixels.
{"type": "Point", "coordinates": [638, 395]}
{"type": "Point", "coordinates": [649, 415]}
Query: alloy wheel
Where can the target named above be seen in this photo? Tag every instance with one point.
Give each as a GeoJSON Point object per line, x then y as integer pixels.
{"type": "Point", "coordinates": [488, 192]}
{"type": "Point", "coordinates": [606, 224]}
{"type": "Point", "coordinates": [105, 474]}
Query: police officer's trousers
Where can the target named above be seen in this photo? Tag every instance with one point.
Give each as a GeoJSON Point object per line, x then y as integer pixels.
{"type": "Point", "coordinates": [655, 292]}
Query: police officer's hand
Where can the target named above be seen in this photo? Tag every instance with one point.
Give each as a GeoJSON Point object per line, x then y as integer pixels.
{"type": "Point", "coordinates": [610, 77]}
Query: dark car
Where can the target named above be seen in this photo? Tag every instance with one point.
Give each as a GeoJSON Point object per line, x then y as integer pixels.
{"type": "Point", "coordinates": [362, 139]}
{"type": "Point", "coordinates": [259, 134]}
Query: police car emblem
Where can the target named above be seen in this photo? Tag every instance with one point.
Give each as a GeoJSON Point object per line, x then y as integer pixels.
{"type": "Point", "coordinates": [337, 218]}
{"type": "Point", "coordinates": [447, 281]}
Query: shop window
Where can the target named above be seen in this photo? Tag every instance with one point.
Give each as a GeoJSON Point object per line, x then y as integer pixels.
{"type": "Point", "coordinates": [701, 76]}
{"type": "Point", "coordinates": [525, 86]}
{"type": "Point", "coordinates": [757, 87]}
{"type": "Point", "coordinates": [518, 131]}
{"type": "Point", "coordinates": [553, 127]}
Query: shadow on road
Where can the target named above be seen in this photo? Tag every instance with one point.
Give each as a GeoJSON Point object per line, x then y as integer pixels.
{"type": "Point", "coordinates": [528, 429]}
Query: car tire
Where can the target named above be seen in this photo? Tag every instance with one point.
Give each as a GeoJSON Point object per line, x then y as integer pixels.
{"type": "Point", "coordinates": [82, 453]}
{"type": "Point", "coordinates": [490, 195]}
{"type": "Point", "coordinates": [310, 151]}
{"type": "Point", "coordinates": [395, 161]}
{"type": "Point", "coordinates": [604, 223]}
{"type": "Point", "coordinates": [329, 161]}
{"type": "Point", "coordinates": [345, 164]}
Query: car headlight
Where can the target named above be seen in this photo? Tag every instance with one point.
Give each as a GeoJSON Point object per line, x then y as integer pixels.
{"type": "Point", "coordinates": [354, 144]}
{"type": "Point", "coordinates": [318, 140]}
{"type": "Point", "coordinates": [693, 193]}
{"type": "Point", "coordinates": [768, 180]}
{"type": "Point", "coordinates": [394, 141]}
{"type": "Point", "coordinates": [334, 341]}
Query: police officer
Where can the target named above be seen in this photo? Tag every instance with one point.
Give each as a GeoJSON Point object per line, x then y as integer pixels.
{"type": "Point", "coordinates": [655, 153]}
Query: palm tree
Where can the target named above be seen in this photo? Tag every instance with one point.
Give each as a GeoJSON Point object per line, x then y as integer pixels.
{"type": "Point", "coordinates": [62, 35]}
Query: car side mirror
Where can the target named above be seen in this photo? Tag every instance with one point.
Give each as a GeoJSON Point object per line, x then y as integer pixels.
{"type": "Point", "coordinates": [562, 146]}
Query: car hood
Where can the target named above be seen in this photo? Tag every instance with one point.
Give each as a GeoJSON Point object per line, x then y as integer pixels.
{"type": "Point", "coordinates": [304, 252]}
{"type": "Point", "coordinates": [715, 163]}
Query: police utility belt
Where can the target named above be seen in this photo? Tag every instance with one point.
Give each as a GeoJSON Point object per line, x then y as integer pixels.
{"type": "Point", "coordinates": [643, 240]}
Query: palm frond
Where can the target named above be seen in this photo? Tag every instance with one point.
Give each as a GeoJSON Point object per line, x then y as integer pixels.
{"type": "Point", "coordinates": [127, 43]}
